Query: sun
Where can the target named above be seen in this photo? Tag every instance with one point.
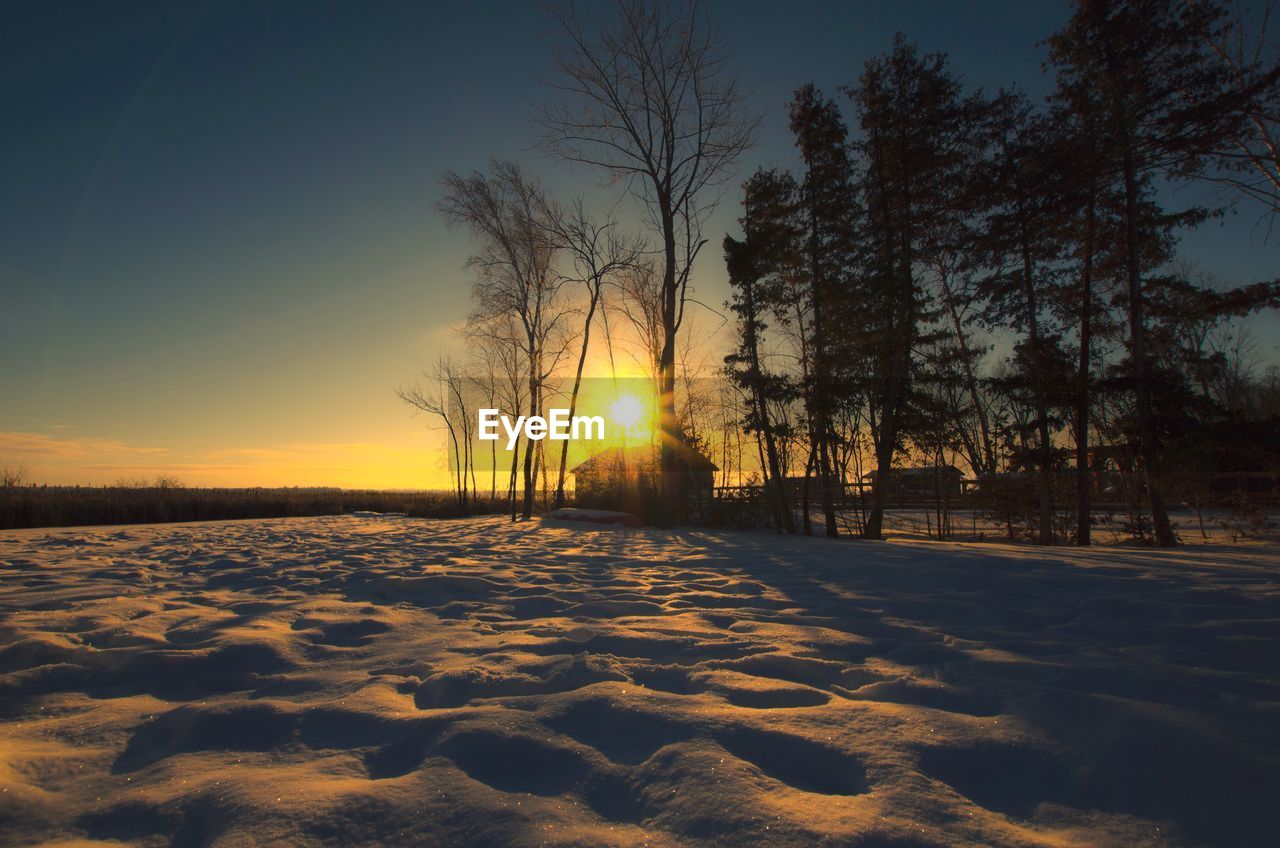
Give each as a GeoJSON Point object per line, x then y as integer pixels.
{"type": "Point", "coordinates": [627, 411]}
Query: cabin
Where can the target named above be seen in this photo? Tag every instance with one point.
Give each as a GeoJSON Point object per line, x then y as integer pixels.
{"type": "Point", "coordinates": [798, 486]}
{"type": "Point", "coordinates": [927, 481]}
{"type": "Point", "coordinates": [1236, 476]}
{"type": "Point", "coordinates": [617, 477]}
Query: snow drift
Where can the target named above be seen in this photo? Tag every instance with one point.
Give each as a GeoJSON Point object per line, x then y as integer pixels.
{"type": "Point", "coordinates": [362, 680]}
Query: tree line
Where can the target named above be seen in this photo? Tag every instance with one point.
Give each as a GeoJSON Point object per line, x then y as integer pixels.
{"type": "Point", "coordinates": [949, 276]}
{"type": "Point", "coordinates": [868, 285]}
{"type": "Point", "coordinates": [645, 101]}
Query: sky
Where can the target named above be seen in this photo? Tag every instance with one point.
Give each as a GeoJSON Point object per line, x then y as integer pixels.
{"type": "Point", "coordinates": [219, 255]}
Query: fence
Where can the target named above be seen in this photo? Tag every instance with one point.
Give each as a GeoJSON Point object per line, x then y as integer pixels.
{"type": "Point", "coordinates": [1223, 489]}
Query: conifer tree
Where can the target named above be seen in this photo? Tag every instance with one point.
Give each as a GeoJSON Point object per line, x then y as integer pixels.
{"type": "Point", "coordinates": [1164, 111]}
{"type": "Point", "coordinates": [758, 267]}
{"type": "Point", "coordinates": [827, 215]}
{"type": "Point", "coordinates": [914, 144]}
{"type": "Point", "coordinates": [1022, 247]}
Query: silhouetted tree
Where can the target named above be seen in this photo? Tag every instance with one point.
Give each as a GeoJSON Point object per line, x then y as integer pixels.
{"type": "Point", "coordinates": [828, 216]}
{"type": "Point", "coordinates": [650, 102]}
{"type": "Point", "coordinates": [914, 143]}
{"type": "Point", "coordinates": [1248, 49]}
{"type": "Point", "coordinates": [755, 292]}
{"type": "Point", "coordinates": [514, 259]}
{"type": "Point", "coordinates": [1165, 110]}
{"type": "Point", "coordinates": [441, 392]}
{"type": "Point", "coordinates": [497, 351]}
{"type": "Point", "coordinates": [12, 475]}
{"type": "Point", "coordinates": [1023, 246]}
{"type": "Point", "coordinates": [596, 252]}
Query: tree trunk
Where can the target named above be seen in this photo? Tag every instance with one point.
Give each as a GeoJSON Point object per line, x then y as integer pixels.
{"type": "Point", "coordinates": [818, 389]}
{"type": "Point", "coordinates": [512, 481]}
{"type": "Point", "coordinates": [453, 437]}
{"type": "Point", "coordinates": [667, 373]}
{"type": "Point", "coordinates": [777, 482]}
{"type": "Point", "coordinates": [1138, 355]}
{"type": "Point", "coordinates": [885, 448]}
{"type": "Point", "coordinates": [804, 495]}
{"type": "Point", "coordinates": [1037, 377]}
{"type": "Point", "coordinates": [577, 383]}
{"type": "Point", "coordinates": [778, 479]}
{"type": "Point", "coordinates": [527, 509]}
{"type": "Point", "coordinates": [1083, 507]}
{"type": "Point", "coordinates": [899, 344]}
{"type": "Point", "coordinates": [884, 466]}
{"type": "Point", "coordinates": [468, 464]}
{"type": "Point", "coordinates": [982, 459]}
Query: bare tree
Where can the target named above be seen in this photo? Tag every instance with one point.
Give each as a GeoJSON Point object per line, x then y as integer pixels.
{"type": "Point", "coordinates": [639, 302]}
{"type": "Point", "coordinates": [596, 251]}
{"type": "Point", "coordinates": [649, 101]}
{"type": "Point", "coordinates": [498, 378]}
{"type": "Point", "coordinates": [515, 254]}
{"type": "Point", "coordinates": [485, 380]}
{"type": "Point", "coordinates": [12, 475]}
{"type": "Point", "coordinates": [1248, 48]}
{"type": "Point", "coordinates": [439, 392]}
{"type": "Point", "coordinates": [498, 348]}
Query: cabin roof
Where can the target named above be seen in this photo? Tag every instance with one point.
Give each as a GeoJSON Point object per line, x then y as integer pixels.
{"type": "Point", "coordinates": [919, 471]}
{"type": "Point", "coordinates": [686, 455]}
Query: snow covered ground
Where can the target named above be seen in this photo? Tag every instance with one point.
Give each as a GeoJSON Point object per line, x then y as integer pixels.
{"type": "Point", "coordinates": [360, 680]}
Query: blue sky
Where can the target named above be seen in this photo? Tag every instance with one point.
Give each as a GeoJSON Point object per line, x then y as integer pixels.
{"type": "Point", "coordinates": [218, 252]}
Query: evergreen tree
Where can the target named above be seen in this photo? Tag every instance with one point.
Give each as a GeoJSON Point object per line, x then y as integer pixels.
{"type": "Point", "coordinates": [914, 146]}
{"type": "Point", "coordinates": [1022, 246]}
{"type": "Point", "coordinates": [1164, 109]}
{"type": "Point", "coordinates": [827, 215]}
{"type": "Point", "coordinates": [768, 204]}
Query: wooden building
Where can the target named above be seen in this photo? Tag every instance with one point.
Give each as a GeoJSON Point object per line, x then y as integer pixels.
{"type": "Point", "coordinates": [928, 481]}
{"type": "Point", "coordinates": [619, 474]}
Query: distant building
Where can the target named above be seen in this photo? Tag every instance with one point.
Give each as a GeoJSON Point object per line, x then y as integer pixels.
{"type": "Point", "coordinates": [621, 474]}
{"type": "Point", "coordinates": [928, 481]}
{"type": "Point", "coordinates": [798, 485]}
